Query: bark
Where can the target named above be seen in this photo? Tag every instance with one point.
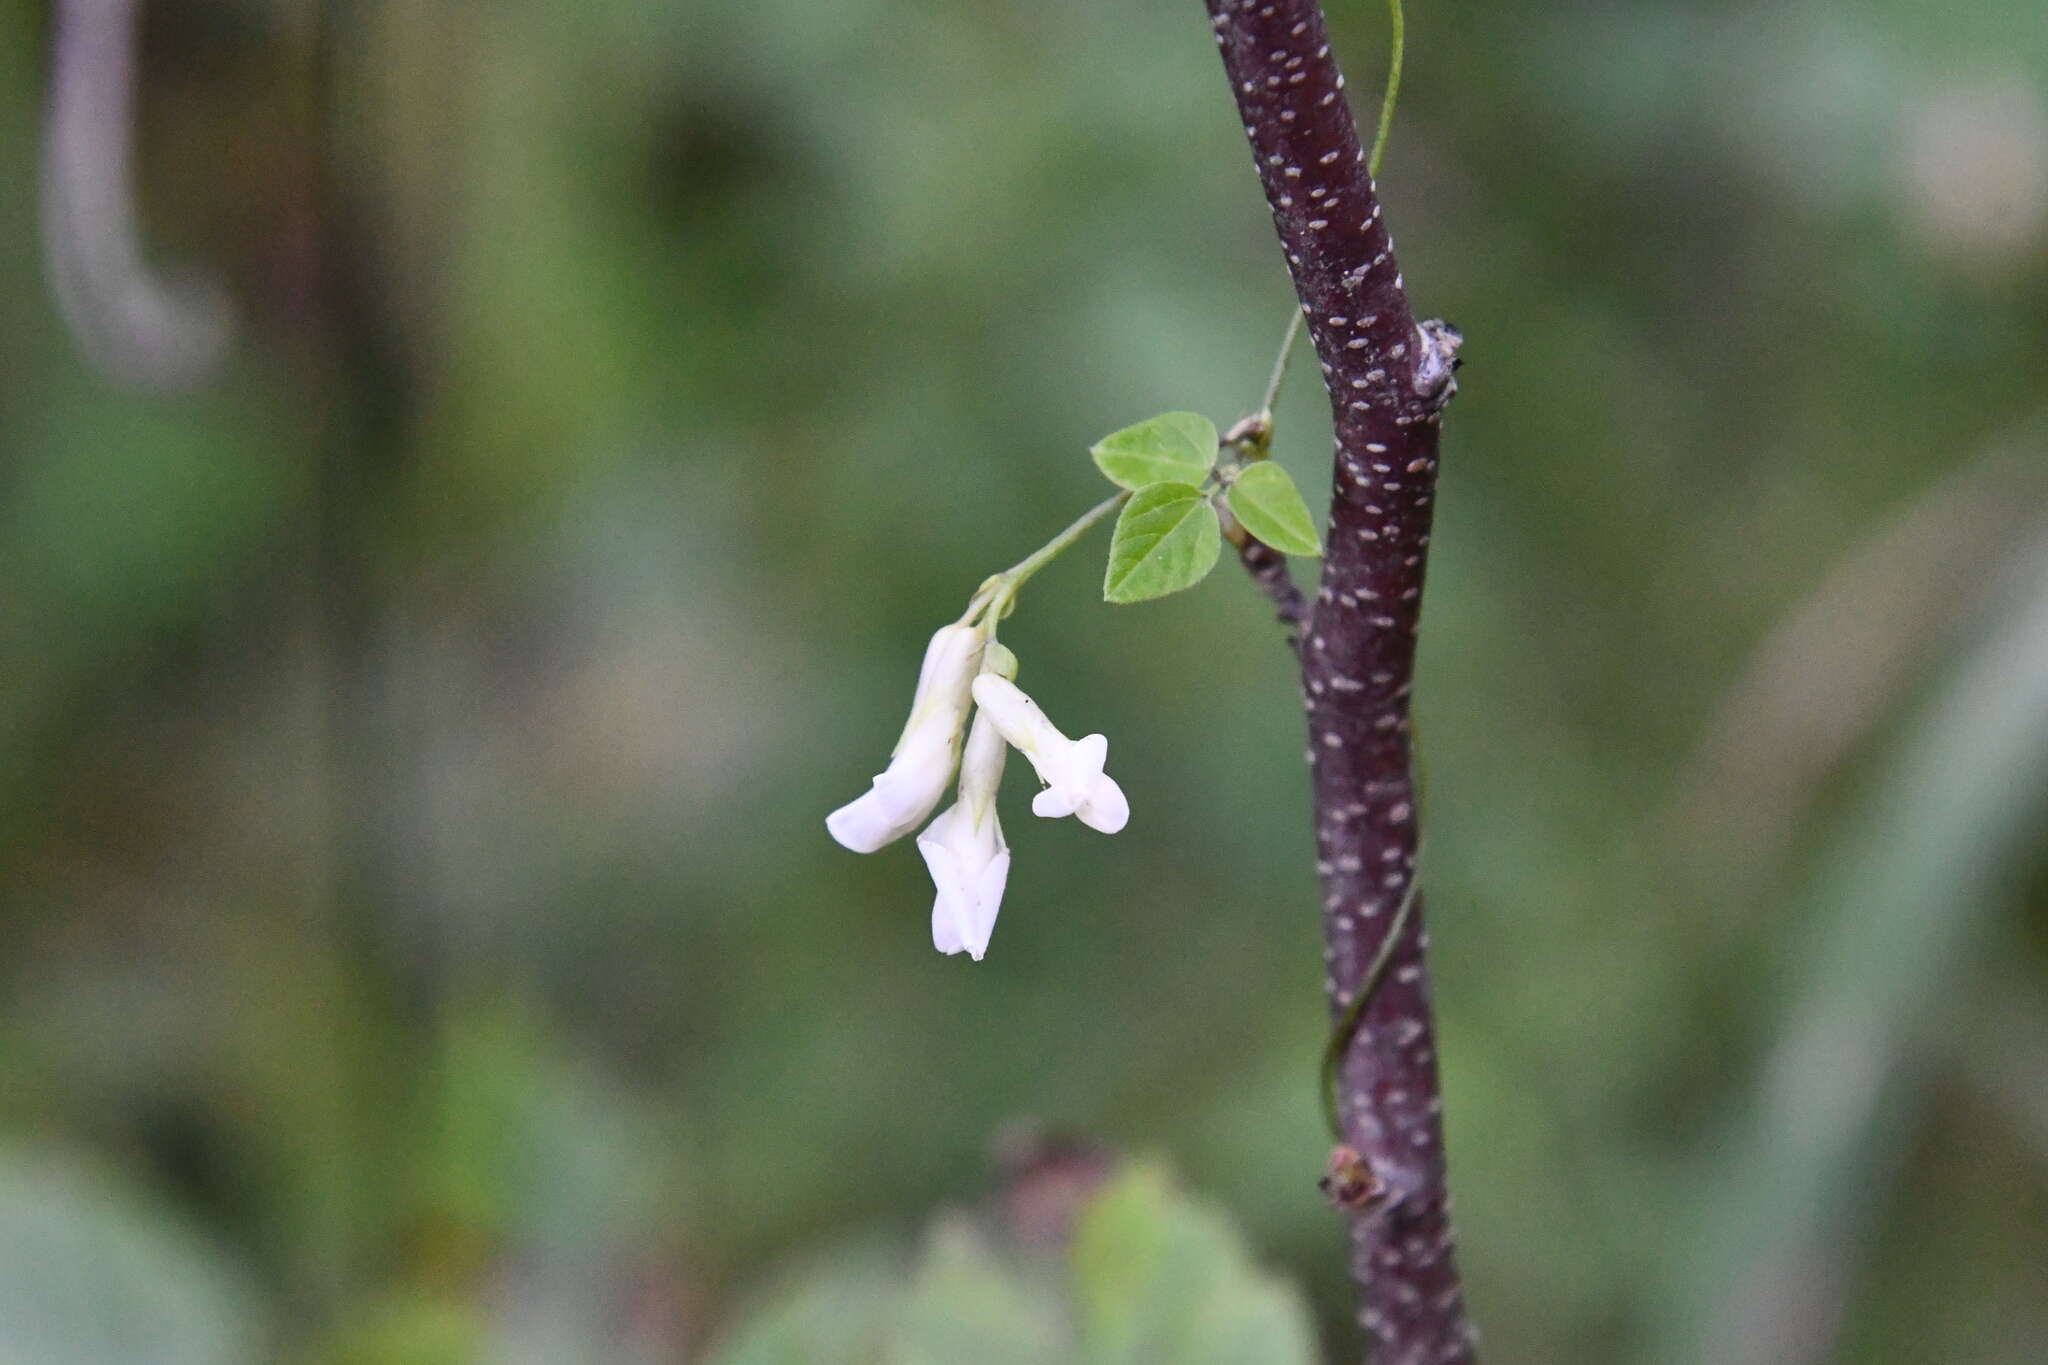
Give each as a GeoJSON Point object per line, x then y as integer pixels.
{"type": "Point", "coordinates": [1268, 570]}
{"type": "Point", "coordinates": [1388, 380]}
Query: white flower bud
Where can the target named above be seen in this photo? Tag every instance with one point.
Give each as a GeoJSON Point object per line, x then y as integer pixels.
{"type": "Point", "coordinates": [926, 755]}
{"type": "Point", "coordinates": [1070, 768]}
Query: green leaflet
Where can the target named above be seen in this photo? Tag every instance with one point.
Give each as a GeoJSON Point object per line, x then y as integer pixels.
{"type": "Point", "coordinates": [1174, 447]}
{"type": "Point", "coordinates": [1266, 501]}
{"type": "Point", "coordinates": [1166, 539]}
{"type": "Point", "coordinates": [1162, 1277]}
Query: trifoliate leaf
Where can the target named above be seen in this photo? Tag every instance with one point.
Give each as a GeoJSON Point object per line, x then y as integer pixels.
{"type": "Point", "coordinates": [1174, 447]}
{"type": "Point", "coordinates": [1166, 539]}
{"type": "Point", "coordinates": [1265, 499]}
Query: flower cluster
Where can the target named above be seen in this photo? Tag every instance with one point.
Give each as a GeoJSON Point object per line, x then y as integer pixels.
{"type": "Point", "coordinates": [967, 670]}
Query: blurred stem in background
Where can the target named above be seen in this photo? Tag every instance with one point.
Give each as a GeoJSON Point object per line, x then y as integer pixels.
{"type": "Point", "coordinates": [1900, 901]}
{"type": "Point", "coordinates": [141, 331]}
{"type": "Point", "coordinates": [383, 929]}
{"type": "Point", "coordinates": [1840, 663]}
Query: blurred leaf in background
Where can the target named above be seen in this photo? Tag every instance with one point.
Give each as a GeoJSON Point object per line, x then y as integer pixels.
{"type": "Point", "coordinates": [92, 1272]}
{"type": "Point", "coordinates": [1151, 1275]}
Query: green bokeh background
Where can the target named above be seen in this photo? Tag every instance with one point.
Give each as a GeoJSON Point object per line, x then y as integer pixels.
{"type": "Point", "coordinates": [420, 938]}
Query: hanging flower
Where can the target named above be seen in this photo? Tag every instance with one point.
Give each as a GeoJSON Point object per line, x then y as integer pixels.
{"type": "Point", "coordinates": [925, 757]}
{"type": "Point", "coordinates": [1071, 769]}
{"type": "Point", "coordinates": [964, 848]}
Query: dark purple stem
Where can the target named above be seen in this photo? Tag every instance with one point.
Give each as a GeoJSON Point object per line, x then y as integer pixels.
{"type": "Point", "coordinates": [1388, 380]}
{"type": "Point", "coordinates": [1268, 568]}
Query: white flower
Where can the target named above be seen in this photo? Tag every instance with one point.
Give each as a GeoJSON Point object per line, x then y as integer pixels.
{"type": "Point", "coordinates": [1070, 768]}
{"type": "Point", "coordinates": [970, 864]}
{"type": "Point", "coordinates": [926, 755]}
{"type": "Point", "coordinates": [964, 848]}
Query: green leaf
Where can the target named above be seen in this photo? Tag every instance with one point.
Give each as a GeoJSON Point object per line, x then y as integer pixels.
{"type": "Point", "coordinates": [1174, 447]}
{"type": "Point", "coordinates": [1265, 499]}
{"type": "Point", "coordinates": [1166, 539]}
{"type": "Point", "coordinates": [1150, 1277]}
{"type": "Point", "coordinates": [969, 1303]}
{"type": "Point", "coordinates": [94, 1272]}
{"type": "Point", "coordinates": [837, 1310]}
{"type": "Point", "coordinates": [1161, 1277]}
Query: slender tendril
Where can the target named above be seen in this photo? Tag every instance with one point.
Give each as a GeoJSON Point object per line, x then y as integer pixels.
{"type": "Point", "coordinates": [1397, 44]}
{"type": "Point", "coordinates": [1280, 364]}
{"type": "Point", "coordinates": [1354, 1013]}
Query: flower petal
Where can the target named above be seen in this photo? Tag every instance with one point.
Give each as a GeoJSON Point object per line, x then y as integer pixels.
{"type": "Point", "coordinates": [1016, 715]}
{"type": "Point", "coordinates": [988, 899]}
{"type": "Point", "coordinates": [945, 933]}
{"type": "Point", "coordinates": [952, 906]}
{"type": "Point", "coordinates": [970, 864]}
{"type": "Point", "coordinates": [926, 755]}
{"type": "Point", "coordinates": [867, 822]}
{"type": "Point", "coordinates": [1053, 803]}
{"type": "Point", "coordinates": [1105, 808]}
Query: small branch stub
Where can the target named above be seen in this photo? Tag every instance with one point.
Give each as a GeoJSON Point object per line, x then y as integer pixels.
{"type": "Point", "coordinates": [1350, 1183]}
{"type": "Point", "coordinates": [1436, 363]}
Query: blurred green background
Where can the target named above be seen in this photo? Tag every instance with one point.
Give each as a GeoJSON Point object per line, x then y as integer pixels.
{"type": "Point", "coordinates": [421, 942]}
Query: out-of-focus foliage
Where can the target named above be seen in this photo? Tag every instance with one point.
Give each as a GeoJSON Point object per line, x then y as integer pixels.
{"type": "Point", "coordinates": [420, 939]}
{"type": "Point", "coordinates": [1149, 1275]}
{"type": "Point", "coordinates": [90, 1272]}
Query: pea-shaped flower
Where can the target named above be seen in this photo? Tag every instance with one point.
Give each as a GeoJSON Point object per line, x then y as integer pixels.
{"type": "Point", "coordinates": [928, 752]}
{"type": "Point", "coordinates": [964, 848]}
{"type": "Point", "coordinates": [1070, 768]}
